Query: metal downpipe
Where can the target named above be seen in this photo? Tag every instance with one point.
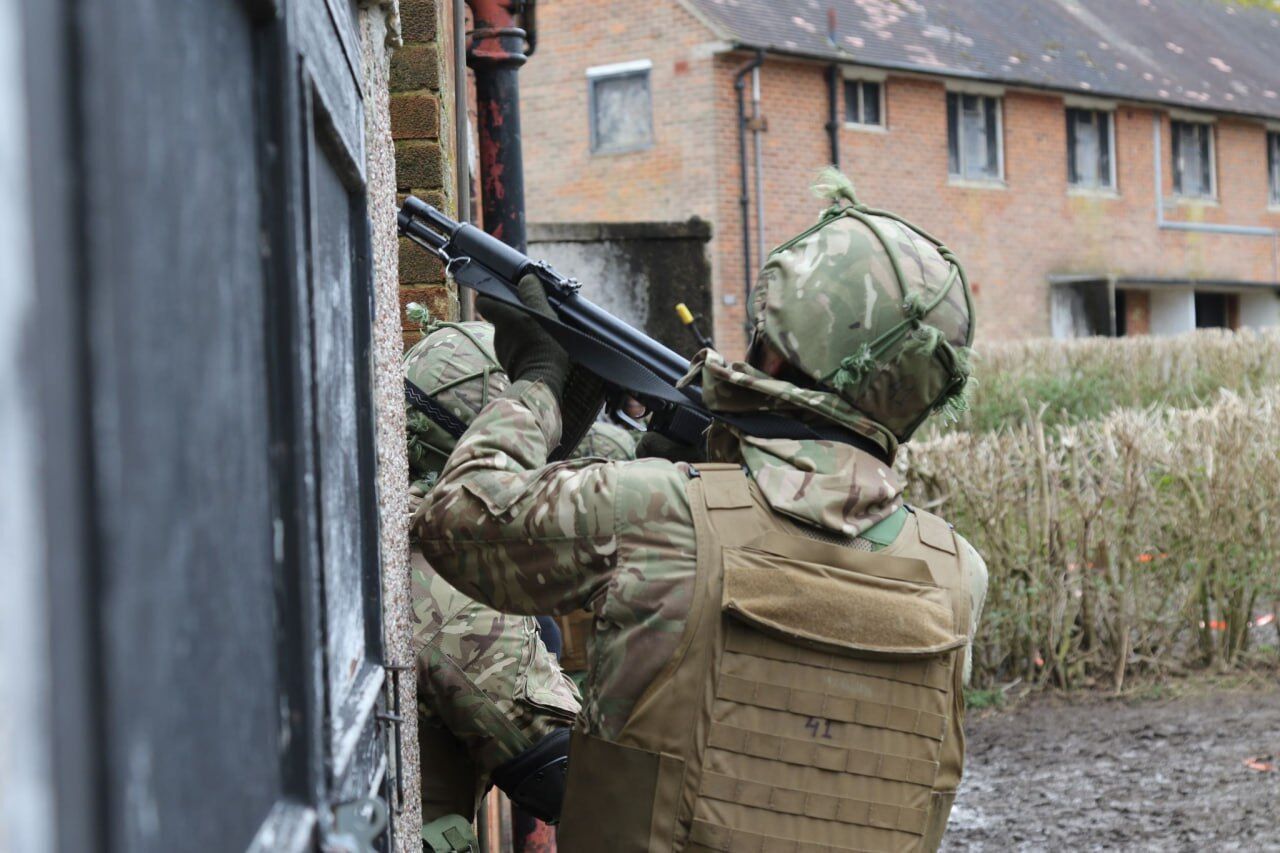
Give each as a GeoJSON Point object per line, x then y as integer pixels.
{"type": "Point", "coordinates": [462, 136]}
{"type": "Point", "coordinates": [744, 200]}
{"type": "Point", "coordinates": [757, 129]}
{"type": "Point", "coordinates": [496, 54]}
{"type": "Point", "coordinates": [833, 112]}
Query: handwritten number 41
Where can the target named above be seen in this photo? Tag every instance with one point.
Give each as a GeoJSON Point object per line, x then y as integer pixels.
{"type": "Point", "coordinates": [818, 727]}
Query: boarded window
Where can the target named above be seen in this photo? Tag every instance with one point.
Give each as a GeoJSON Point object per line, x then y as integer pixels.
{"type": "Point", "coordinates": [973, 137]}
{"type": "Point", "coordinates": [862, 102]}
{"type": "Point", "coordinates": [1089, 146]}
{"type": "Point", "coordinates": [1273, 165]}
{"type": "Point", "coordinates": [621, 111]}
{"type": "Point", "coordinates": [1192, 159]}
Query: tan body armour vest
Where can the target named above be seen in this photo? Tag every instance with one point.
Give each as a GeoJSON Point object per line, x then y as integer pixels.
{"type": "Point", "coordinates": [814, 703]}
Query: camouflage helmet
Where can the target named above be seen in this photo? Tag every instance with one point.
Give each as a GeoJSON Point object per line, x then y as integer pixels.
{"type": "Point", "coordinates": [455, 364]}
{"type": "Point", "coordinates": [872, 309]}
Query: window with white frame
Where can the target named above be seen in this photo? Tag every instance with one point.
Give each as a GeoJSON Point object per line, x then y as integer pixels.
{"type": "Point", "coordinates": [974, 137]}
{"type": "Point", "coordinates": [1273, 165]}
{"type": "Point", "coordinates": [621, 107]}
{"type": "Point", "coordinates": [1090, 161]}
{"type": "Point", "coordinates": [863, 102]}
{"type": "Point", "coordinates": [1192, 158]}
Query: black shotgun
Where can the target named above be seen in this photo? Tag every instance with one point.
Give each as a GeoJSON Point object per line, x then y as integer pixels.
{"type": "Point", "coordinates": [628, 361]}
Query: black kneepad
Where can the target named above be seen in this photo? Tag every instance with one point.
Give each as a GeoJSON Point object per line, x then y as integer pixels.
{"type": "Point", "coordinates": [535, 779]}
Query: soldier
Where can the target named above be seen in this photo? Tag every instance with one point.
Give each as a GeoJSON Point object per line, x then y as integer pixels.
{"type": "Point", "coordinates": [493, 702]}
{"type": "Point", "coordinates": [779, 642]}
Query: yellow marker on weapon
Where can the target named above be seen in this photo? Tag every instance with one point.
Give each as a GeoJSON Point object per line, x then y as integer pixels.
{"type": "Point", "coordinates": [690, 322]}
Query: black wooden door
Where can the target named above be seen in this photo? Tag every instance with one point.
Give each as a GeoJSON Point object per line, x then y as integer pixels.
{"type": "Point", "coordinates": [231, 572]}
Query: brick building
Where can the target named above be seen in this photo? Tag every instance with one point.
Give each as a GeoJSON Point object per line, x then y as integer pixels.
{"type": "Point", "coordinates": [1022, 134]}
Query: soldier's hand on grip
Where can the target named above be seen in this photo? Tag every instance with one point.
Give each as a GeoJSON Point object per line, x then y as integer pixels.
{"type": "Point", "coordinates": [523, 347]}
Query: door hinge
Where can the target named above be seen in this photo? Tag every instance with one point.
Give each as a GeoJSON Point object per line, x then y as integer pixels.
{"type": "Point", "coordinates": [356, 826]}
{"type": "Point", "coordinates": [393, 719]}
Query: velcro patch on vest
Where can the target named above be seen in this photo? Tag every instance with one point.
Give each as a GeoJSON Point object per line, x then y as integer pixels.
{"type": "Point", "coordinates": [935, 532]}
{"type": "Point", "coordinates": [725, 488]}
{"type": "Point", "coordinates": [820, 606]}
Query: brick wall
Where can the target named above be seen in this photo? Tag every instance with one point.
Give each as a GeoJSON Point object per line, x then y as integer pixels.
{"type": "Point", "coordinates": [421, 125]}
{"type": "Point", "coordinates": [672, 180]}
{"type": "Point", "coordinates": [1010, 238]}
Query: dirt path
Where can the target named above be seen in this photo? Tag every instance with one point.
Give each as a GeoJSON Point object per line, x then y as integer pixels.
{"type": "Point", "coordinates": [1106, 775]}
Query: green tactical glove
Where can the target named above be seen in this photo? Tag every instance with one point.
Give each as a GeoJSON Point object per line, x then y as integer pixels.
{"type": "Point", "coordinates": [525, 349]}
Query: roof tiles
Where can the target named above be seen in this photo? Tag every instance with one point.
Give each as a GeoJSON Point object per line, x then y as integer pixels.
{"type": "Point", "coordinates": [1215, 55]}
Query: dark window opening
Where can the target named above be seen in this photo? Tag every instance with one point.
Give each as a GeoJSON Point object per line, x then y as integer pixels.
{"type": "Point", "coordinates": [621, 112]}
{"type": "Point", "coordinates": [1192, 158]}
{"type": "Point", "coordinates": [1216, 310]}
{"type": "Point", "coordinates": [1121, 314]}
{"type": "Point", "coordinates": [1089, 147]}
{"type": "Point", "coordinates": [973, 136]}
{"type": "Point", "coordinates": [862, 102]}
{"type": "Point", "coordinates": [1080, 309]}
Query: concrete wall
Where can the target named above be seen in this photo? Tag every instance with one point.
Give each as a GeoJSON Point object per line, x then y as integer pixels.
{"type": "Point", "coordinates": [27, 820]}
{"type": "Point", "coordinates": [637, 271]}
{"type": "Point", "coordinates": [1173, 311]}
{"type": "Point", "coordinates": [1260, 308]}
{"type": "Point", "coordinates": [379, 34]}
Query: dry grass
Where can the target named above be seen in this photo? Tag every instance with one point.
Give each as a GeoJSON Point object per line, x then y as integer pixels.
{"type": "Point", "coordinates": [1141, 541]}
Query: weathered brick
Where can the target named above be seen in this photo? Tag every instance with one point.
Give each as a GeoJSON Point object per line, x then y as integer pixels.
{"type": "Point", "coordinates": [410, 338]}
{"type": "Point", "coordinates": [418, 165]}
{"type": "Point", "coordinates": [417, 265]}
{"type": "Point", "coordinates": [433, 197]}
{"type": "Point", "coordinates": [415, 66]}
{"type": "Point", "coordinates": [436, 298]}
{"type": "Point", "coordinates": [419, 20]}
{"type": "Point", "coordinates": [415, 116]}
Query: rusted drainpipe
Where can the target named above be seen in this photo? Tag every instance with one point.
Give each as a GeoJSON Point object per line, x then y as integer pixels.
{"type": "Point", "coordinates": [496, 54]}
{"type": "Point", "coordinates": [833, 112]}
{"type": "Point", "coordinates": [833, 91]}
{"type": "Point", "coordinates": [462, 137]}
{"type": "Point", "coordinates": [744, 200]}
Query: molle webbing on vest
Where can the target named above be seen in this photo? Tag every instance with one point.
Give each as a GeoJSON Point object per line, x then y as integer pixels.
{"type": "Point", "coordinates": [785, 721]}
{"type": "Point", "coordinates": [817, 742]}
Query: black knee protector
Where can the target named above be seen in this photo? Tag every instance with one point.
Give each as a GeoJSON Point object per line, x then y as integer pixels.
{"type": "Point", "coordinates": [535, 779]}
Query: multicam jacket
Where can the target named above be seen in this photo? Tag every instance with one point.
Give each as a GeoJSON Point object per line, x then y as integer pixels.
{"type": "Point", "coordinates": [486, 674]}
{"type": "Point", "coordinates": [488, 687]}
{"type": "Point", "coordinates": [618, 537]}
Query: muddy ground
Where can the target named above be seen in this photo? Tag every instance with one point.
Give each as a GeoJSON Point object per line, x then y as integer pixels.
{"type": "Point", "coordinates": [1105, 774]}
